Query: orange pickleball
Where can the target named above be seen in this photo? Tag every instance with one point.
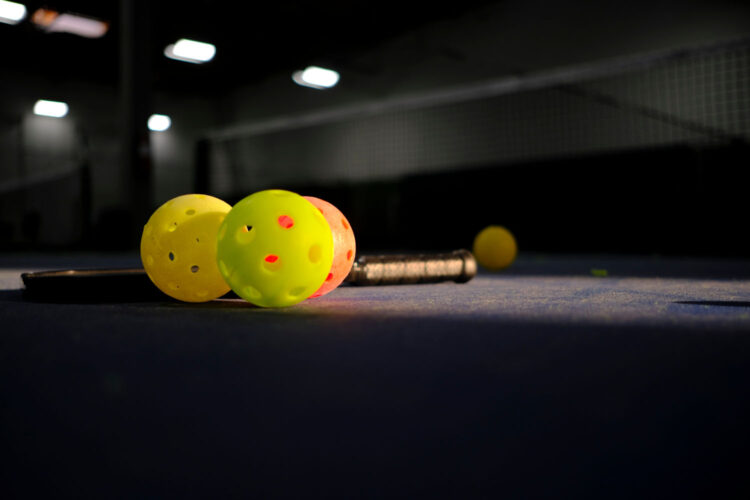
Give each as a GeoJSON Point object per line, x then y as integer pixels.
{"type": "Point", "coordinates": [344, 245]}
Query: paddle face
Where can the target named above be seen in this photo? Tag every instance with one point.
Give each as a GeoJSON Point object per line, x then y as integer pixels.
{"type": "Point", "coordinates": [91, 285]}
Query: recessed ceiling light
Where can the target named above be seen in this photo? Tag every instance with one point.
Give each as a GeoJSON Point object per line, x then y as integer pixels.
{"type": "Point", "coordinates": [316, 77]}
{"type": "Point", "coordinates": [159, 123]}
{"type": "Point", "coordinates": [190, 51]}
{"type": "Point", "coordinates": [11, 12]}
{"type": "Point", "coordinates": [55, 109]}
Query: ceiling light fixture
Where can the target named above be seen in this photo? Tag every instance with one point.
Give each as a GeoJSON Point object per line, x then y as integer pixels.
{"type": "Point", "coordinates": [316, 77]}
{"type": "Point", "coordinates": [11, 12]}
{"type": "Point", "coordinates": [53, 22]}
{"type": "Point", "coordinates": [159, 123]}
{"type": "Point", "coordinates": [190, 51]}
{"type": "Point", "coordinates": [55, 109]}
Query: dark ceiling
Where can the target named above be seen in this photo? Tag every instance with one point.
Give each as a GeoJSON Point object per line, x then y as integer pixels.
{"type": "Point", "coordinates": [253, 40]}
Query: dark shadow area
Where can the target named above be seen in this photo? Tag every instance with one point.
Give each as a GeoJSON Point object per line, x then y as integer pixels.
{"type": "Point", "coordinates": [676, 201]}
{"type": "Point", "coordinates": [411, 407]}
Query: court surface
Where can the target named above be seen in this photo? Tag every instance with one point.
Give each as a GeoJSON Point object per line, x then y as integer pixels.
{"type": "Point", "coordinates": [564, 376]}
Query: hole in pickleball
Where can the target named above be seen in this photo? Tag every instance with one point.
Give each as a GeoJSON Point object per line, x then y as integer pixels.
{"type": "Point", "coordinates": [272, 262]}
{"type": "Point", "coordinates": [329, 277]}
{"type": "Point", "coordinates": [173, 286]}
{"type": "Point", "coordinates": [201, 294]}
{"type": "Point", "coordinates": [149, 260]}
{"type": "Point", "coordinates": [343, 223]}
{"type": "Point", "coordinates": [349, 255]}
{"type": "Point", "coordinates": [172, 227]}
{"type": "Point", "coordinates": [245, 234]}
{"type": "Point", "coordinates": [194, 269]}
{"type": "Point", "coordinates": [171, 256]}
{"type": "Point", "coordinates": [315, 253]}
{"type": "Point", "coordinates": [297, 291]}
{"type": "Point", "coordinates": [251, 293]}
{"type": "Point", "coordinates": [190, 212]}
{"type": "Point", "coordinates": [286, 222]}
{"type": "Point", "coordinates": [222, 231]}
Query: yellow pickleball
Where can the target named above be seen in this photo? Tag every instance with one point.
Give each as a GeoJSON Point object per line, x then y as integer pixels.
{"type": "Point", "coordinates": [495, 248]}
{"type": "Point", "coordinates": [275, 248]}
{"type": "Point", "coordinates": [178, 247]}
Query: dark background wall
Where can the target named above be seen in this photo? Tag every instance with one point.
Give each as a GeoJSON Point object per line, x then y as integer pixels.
{"type": "Point", "coordinates": [646, 158]}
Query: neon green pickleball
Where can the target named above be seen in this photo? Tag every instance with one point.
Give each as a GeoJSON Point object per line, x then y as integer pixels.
{"type": "Point", "coordinates": [274, 248]}
{"type": "Point", "coordinates": [178, 247]}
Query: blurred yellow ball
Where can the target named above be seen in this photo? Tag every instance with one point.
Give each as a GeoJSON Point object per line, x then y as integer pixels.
{"type": "Point", "coordinates": [178, 247]}
{"type": "Point", "coordinates": [495, 248]}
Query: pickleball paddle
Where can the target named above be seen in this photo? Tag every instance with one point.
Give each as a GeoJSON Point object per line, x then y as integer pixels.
{"type": "Point", "coordinates": [133, 284]}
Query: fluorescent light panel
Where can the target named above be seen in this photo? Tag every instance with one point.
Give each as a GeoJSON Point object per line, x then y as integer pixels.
{"type": "Point", "coordinates": [190, 51]}
{"type": "Point", "coordinates": [316, 77]}
{"type": "Point", "coordinates": [52, 21]}
{"type": "Point", "coordinates": [55, 109]}
{"type": "Point", "coordinates": [11, 12]}
{"type": "Point", "coordinates": [159, 123]}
